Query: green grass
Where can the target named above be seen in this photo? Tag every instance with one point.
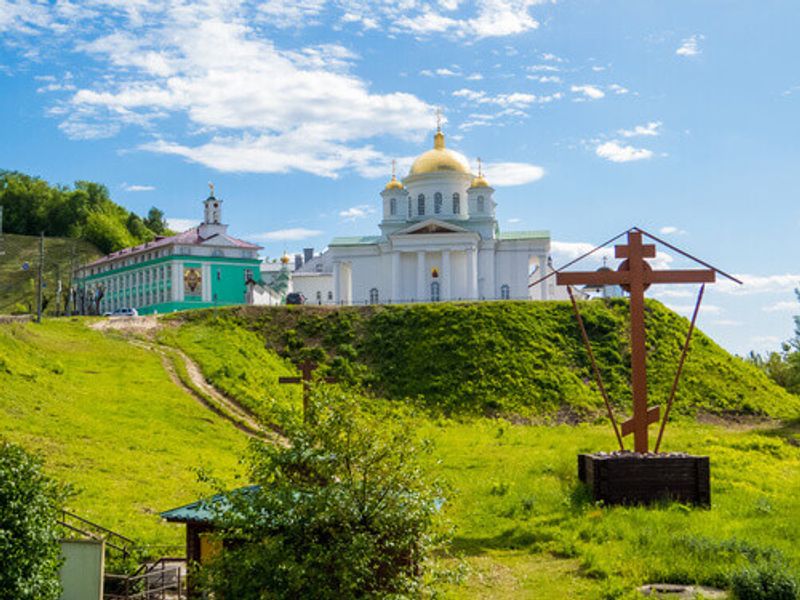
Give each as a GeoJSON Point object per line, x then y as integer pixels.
{"type": "Point", "coordinates": [496, 357]}
{"type": "Point", "coordinates": [516, 494]}
{"type": "Point", "coordinates": [237, 363]}
{"type": "Point", "coordinates": [17, 287]}
{"type": "Point", "coordinates": [107, 419]}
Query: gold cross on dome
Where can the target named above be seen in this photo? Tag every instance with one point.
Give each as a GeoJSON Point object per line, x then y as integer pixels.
{"type": "Point", "coordinates": [211, 188]}
{"type": "Point", "coordinates": [438, 119]}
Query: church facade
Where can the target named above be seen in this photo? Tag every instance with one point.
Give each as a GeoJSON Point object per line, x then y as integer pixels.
{"type": "Point", "coordinates": [200, 267]}
{"type": "Point", "coordinates": [439, 240]}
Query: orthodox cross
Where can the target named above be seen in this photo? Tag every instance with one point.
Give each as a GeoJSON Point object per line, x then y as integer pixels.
{"type": "Point", "coordinates": [307, 369]}
{"type": "Point", "coordinates": [438, 119]}
{"type": "Point", "coordinates": [635, 276]}
{"type": "Point", "coordinates": [211, 189]}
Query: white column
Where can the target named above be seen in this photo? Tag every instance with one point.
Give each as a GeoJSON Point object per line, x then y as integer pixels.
{"type": "Point", "coordinates": [395, 277]}
{"type": "Point", "coordinates": [177, 282]}
{"type": "Point", "coordinates": [491, 282]}
{"type": "Point", "coordinates": [445, 275]}
{"type": "Point", "coordinates": [421, 276]}
{"type": "Point", "coordinates": [541, 272]}
{"type": "Point", "coordinates": [472, 273]}
{"type": "Point", "coordinates": [348, 283]}
{"type": "Point", "coordinates": [337, 272]}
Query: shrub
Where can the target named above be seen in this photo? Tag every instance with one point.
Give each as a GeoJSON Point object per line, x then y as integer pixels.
{"type": "Point", "coordinates": [343, 510]}
{"type": "Point", "coordinates": [765, 581]}
{"type": "Point", "coordinates": [29, 547]}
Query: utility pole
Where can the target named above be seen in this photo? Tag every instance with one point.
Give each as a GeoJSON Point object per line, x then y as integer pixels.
{"type": "Point", "coordinates": [39, 286]}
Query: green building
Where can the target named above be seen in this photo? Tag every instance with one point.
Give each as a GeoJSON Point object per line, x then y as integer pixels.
{"type": "Point", "coordinates": [198, 268]}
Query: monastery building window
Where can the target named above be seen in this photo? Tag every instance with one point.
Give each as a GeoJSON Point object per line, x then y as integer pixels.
{"type": "Point", "coordinates": [437, 203]}
{"type": "Point", "coordinates": [421, 204]}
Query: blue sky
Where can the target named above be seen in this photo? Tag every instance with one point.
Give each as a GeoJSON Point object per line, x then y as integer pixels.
{"type": "Point", "coordinates": [590, 116]}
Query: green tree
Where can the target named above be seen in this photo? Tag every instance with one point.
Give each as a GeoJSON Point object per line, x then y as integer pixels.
{"type": "Point", "coordinates": [29, 538]}
{"type": "Point", "coordinates": [107, 233]}
{"type": "Point", "coordinates": [156, 222]}
{"type": "Point", "coordinates": [343, 510]}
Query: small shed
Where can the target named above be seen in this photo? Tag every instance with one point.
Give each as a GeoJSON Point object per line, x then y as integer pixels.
{"type": "Point", "coordinates": [199, 518]}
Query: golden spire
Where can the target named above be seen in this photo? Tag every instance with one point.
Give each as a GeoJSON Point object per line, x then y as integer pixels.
{"type": "Point", "coordinates": [393, 183]}
{"type": "Point", "coordinates": [480, 180]}
{"type": "Point", "coordinates": [438, 138]}
{"type": "Point", "coordinates": [211, 189]}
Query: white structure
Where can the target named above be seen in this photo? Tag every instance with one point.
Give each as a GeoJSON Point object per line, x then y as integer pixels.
{"type": "Point", "coordinates": [439, 241]}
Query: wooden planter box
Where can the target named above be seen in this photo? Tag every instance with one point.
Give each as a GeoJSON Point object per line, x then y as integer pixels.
{"type": "Point", "coordinates": [629, 478]}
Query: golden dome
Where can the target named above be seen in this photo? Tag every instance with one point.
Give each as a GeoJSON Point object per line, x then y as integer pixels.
{"type": "Point", "coordinates": [285, 259]}
{"type": "Point", "coordinates": [394, 184]}
{"type": "Point", "coordinates": [437, 160]}
{"type": "Point", "coordinates": [479, 181]}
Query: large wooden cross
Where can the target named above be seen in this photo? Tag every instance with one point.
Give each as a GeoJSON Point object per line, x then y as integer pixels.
{"type": "Point", "coordinates": [635, 275]}
{"type": "Point", "coordinates": [307, 369]}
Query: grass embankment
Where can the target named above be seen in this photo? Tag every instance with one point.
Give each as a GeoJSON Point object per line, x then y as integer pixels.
{"type": "Point", "coordinates": [492, 358]}
{"type": "Point", "coordinates": [523, 524]}
{"type": "Point", "coordinates": [18, 287]}
{"type": "Point", "coordinates": [107, 419]}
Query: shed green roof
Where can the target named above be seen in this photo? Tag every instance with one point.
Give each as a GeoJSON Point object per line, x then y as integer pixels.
{"type": "Point", "coordinates": [524, 235]}
{"type": "Point", "coordinates": [203, 511]}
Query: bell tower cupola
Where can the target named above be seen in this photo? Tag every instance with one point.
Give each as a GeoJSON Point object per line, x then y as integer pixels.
{"type": "Point", "coordinates": [212, 219]}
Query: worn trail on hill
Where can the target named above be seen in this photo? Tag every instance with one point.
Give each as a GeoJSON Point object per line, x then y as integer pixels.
{"type": "Point", "coordinates": [202, 391]}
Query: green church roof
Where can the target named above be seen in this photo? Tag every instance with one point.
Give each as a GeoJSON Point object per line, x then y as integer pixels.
{"type": "Point", "coordinates": [524, 235]}
{"type": "Point", "coordinates": [364, 240]}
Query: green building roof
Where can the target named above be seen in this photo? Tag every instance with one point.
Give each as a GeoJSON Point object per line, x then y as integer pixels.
{"type": "Point", "coordinates": [364, 240]}
{"type": "Point", "coordinates": [524, 235]}
{"type": "Point", "coordinates": [204, 511]}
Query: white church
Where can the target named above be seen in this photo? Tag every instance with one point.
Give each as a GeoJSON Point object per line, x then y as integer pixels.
{"type": "Point", "coordinates": [439, 240]}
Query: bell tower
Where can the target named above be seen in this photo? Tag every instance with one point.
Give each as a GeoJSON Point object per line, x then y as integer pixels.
{"type": "Point", "coordinates": [212, 221]}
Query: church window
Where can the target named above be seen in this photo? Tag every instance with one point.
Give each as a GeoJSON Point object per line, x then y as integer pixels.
{"type": "Point", "coordinates": [393, 206]}
{"type": "Point", "coordinates": [409, 208]}
{"type": "Point", "coordinates": [373, 296]}
{"type": "Point", "coordinates": [435, 291]}
{"type": "Point", "coordinates": [505, 292]}
{"type": "Point", "coordinates": [421, 204]}
{"type": "Point", "coordinates": [330, 296]}
{"type": "Point", "coordinates": [319, 297]}
{"type": "Point", "coordinates": [437, 203]}
{"type": "Point", "coordinates": [456, 204]}
{"type": "Point", "coordinates": [481, 204]}
{"type": "Point", "coordinates": [248, 275]}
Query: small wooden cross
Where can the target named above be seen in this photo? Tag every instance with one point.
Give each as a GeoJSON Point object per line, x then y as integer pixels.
{"type": "Point", "coordinates": [307, 369]}
{"type": "Point", "coordinates": [635, 275]}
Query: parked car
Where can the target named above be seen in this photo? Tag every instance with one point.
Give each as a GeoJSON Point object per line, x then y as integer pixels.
{"type": "Point", "coordinates": [125, 312]}
{"type": "Point", "coordinates": [295, 298]}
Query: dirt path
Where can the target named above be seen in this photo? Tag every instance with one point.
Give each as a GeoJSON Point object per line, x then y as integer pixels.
{"type": "Point", "coordinates": [186, 374]}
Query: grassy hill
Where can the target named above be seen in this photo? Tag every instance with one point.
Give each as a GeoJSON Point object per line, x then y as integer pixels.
{"type": "Point", "coordinates": [18, 288]}
{"type": "Point", "coordinates": [523, 358]}
{"type": "Point", "coordinates": [107, 419]}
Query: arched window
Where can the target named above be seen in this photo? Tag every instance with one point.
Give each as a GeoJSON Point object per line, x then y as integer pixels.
{"type": "Point", "coordinates": [456, 204]}
{"type": "Point", "coordinates": [505, 292]}
{"type": "Point", "coordinates": [480, 204]}
{"type": "Point", "coordinates": [409, 208]}
{"type": "Point", "coordinates": [373, 296]}
{"type": "Point", "coordinates": [393, 206]}
{"type": "Point", "coordinates": [421, 204]}
{"type": "Point", "coordinates": [435, 291]}
{"type": "Point", "coordinates": [437, 203]}
{"type": "Point", "coordinates": [330, 296]}
{"type": "Point", "coordinates": [319, 297]}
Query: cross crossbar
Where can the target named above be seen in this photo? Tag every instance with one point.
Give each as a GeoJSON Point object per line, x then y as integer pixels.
{"type": "Point", "coordinates": [307, 369]}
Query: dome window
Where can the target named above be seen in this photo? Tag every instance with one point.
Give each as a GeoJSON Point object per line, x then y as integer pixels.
{"type": "Point", "coordinates": [481, 204]}
{"type": "Point", "coordinates": [393, 206]}
{"type": "Point", "coordinates": [421, 204]}
{"type": "Point", "coordinates": [456, 204]}
{"type": "Point", "coordinates": [437, 203]}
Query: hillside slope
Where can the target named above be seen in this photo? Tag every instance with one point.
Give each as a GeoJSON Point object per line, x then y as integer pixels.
{"type": "Point", "coordinates": [17, 286]}
{"type": "Point", "coordinates": [107, 419]}
{"type": "Point", "coordinates": [483, 358]}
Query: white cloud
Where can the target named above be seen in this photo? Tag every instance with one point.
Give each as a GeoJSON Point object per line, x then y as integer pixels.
{"type": "Point", "coordinates": [726, 323]}
{"type": "Point", "coordinates": [687, 310]}
{"type": "Point", "coordinates": [512, 173]}
{"type": "Point", "coordinates": [514, 221]}
{"type": "Point", "coordinates": [474, 77]}
{"type": "Point", "coordinates": [588, 91]}
{"type": "Point", "coordinates": [671, 230]}
{"type": "Point", "coordinates": [783, 305]}
{"type": "Point", "coordinates": [137, 188]}
{"type": "Point", "coordinates": [545, 68]}
{"type": "Point", "coordinates": [286, 235]}
{"type": "Point", "coordinates": [759, 284]}
{"type": "Point", "coordinates": [179, 225]}
{"type": "Point", "coordinates": [690, 46]}
{"type": "Point", "coordinates": [564, 252]}
{"type": "Point", "coordinates": [357, 212]}
{"type": "Point", "coordinates": [617, 153]}
{"type": "Point", "coordinates": [291, 13]}
{"type": "Point", "coordinates": [516, 100]}
{"type": "Point", "coordinates": [618, 89]}
{"type": "Point", "coordinates": [551, 57]}
{"type": "Point", "coordinates": [652, 128]}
